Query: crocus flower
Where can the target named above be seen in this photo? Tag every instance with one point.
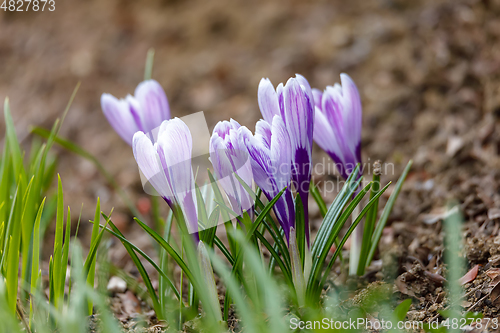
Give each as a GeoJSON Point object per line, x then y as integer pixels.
{"type": "Point", "coordinates": [228, 158]}
{"type": "Point", "coordinates": [294, 102]}
{"type": "Point", "coordinates": [167, 166]}
{"type": "Point", "coordinates": [143, 112]}
{"type": "Point", "coordinates": [270, 156]}
{"type": "Point", "coordinates": [337, 124]}
{"type": "Point", "coordinates": [338, 132]}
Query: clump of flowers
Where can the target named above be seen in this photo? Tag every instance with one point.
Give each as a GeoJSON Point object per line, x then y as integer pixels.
{"type": "Point", "coordinates": [275, 161]}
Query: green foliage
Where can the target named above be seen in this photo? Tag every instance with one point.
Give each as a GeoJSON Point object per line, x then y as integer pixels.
{"type": "Point", "coordinates": [24, 214]}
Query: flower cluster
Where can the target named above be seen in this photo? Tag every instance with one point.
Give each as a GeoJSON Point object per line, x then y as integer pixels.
{"type": "Point", "coordinates": [277, 156]}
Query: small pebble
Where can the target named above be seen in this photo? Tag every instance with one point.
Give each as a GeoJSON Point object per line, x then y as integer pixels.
{"type": "Point", "coordinates": [116, 285]}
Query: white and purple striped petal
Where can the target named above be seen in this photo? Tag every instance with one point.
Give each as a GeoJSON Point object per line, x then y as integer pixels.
{"type": "Point", "coordinates": [338, 124]}
{"type": "Point", "coordinates": [268, 100]}
{"type": "Point", "coordinates": [174, 148]}
{"type": "Point", "coordinates": [167, 167]}
{"type": "Point", "coordinates": [117, 111]}
{"type": "Point", "coordinates": [270, 158]}
{"type": "Point", "coordinates": [295, 103]}
{"type": "Point", "coordinates": [353, 113]}
{"type": "Point", "coordinates": [260, 160]}
{"type": "Point", "coordinates": [228, 159]}
{"type": "Point", "coordinates": [153, 103]}
{"type": "Point", "coordinates": [143, 112]}
{"type": "Point", "coordinates": [299, 119]}
{"type": "Point", "coordinates": [280, 153]}
{"type": "Point", "coordinates": [317, 96]}
{"type": "Point", "coordinates": [149, 163]}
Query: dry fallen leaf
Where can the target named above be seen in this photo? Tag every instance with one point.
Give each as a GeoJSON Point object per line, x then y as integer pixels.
{"type": "Point", "coordinates": [493, 273]}
{"type": "Point", "coordinates": [493, 213]}
{"type": "Point", "coordinates": [439, 279]}
{"type": "Point", "coordinates": [455, 143]}
{"type": "Point", "coordinates": [495, 281]}
{"type": "Point", "coordinates": [130, 304]}
{"type": "Point", "coordinates": [495, 294]}
{"type": "Point", "coordinates": [470, 275]}
{"type": "Point", "coordinates": [402, 287]}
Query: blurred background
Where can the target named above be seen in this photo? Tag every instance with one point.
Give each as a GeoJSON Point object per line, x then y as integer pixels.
{"type": "Point", "coordinates": [427, 72]}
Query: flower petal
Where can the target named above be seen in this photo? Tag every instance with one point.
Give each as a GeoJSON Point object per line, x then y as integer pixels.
{"type": "Point", "coordinates": [352, 113]}
{"type": "Point", "coordinates": [299, 114]}
{"type": "Point", "coordinates": [268, 100]}
{"type": "Point", "coordinates": [317, 96]}
{"type": "Point", "coordinates": [263, 132]}
{"type": "Point", "coordinates": [228, 157]}
{"type": "Point", "coordinates": [174, 147]}
{"type": "Point", "coordinates": [154, 104]}
{"type": "Point", "coordinates": [304, 83]}
{"type": "Point", "coordinates": [119, 117]}
{"type": "Point", "coordinates": [333, 107]}
{"type": "Point", "coordinates": [147, 158]}
{"type": "Point", "coordinates": [281, 154]}
{"type": "Point", "coordinates": [259, 159]}
{"type": "Point", "coordinates": [325, 137]}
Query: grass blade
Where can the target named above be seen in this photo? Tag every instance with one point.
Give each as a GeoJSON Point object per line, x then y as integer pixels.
{"type": "Point", "coordinates": [91, 258]}
{"type": "Point", "coordinates": [131, 249]}
{"type": "Point", "coordinates": [35, 261]}
{"type": "Point", "coordinates": [363, 212]}
{"type": "Point", "coordinates": [74, 148]}
{"type": "Point", "coordinates": [371, 216]}
{"type": "Point", "coordinates": [385, 214]}
{"type": "Point", "coordinates": [148, 69]}
{"type": "Point", "coordinates": [58, 244]}
{"type": "Point", "coordinates": [319, 200]}
{"type": "Point", "coordinates": [167, 248]}
{"type": "Point", "coordinates": [326, 244]}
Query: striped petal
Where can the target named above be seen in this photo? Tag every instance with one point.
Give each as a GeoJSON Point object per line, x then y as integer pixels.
{"type": "Point", "coordinates": [353, 113]}
{"type": "Point", "coordinates": [174, 148]}
{"type": "Point", "coordinates": [263, 132]}
{"type": "Point", "coordinates": [149, 163]}
{"type": "Point", "coordinates": [228, 159]}
{"type": "Point", "coordinates": [271, 166]}
{"type": "Point", "coordinates": [119, 117]}
{"type": "Point", "coordinates": [280, 154]}
{"type": "Point", "coordinates": [299, 114]}
{"type": "Point", "coordinates": [259, 159]}
{"type": "Point", "coordinates": [317, 96]}
{"type": "Point", "coordinates": [143, 112]}
{"type": "Point", "coordinates": [153, 103]}
{"type": "Point", "coordinates": [268, 100]}
{"type": "Point", "coordinates": [338, 124]}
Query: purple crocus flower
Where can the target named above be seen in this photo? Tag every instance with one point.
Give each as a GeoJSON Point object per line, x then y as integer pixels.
{"type": "Point", "coordinates": [270, 156]}
{"type": "Point", "coordinates": [338, 124]}
{"type": "Point", "coordinates": [229, 157]}
{"type": "Point", "coordinates": [143, 112]}
{"type": "Point", "coordinates": [294, 102]}
{"type": "Point", "coordinates": [167, 166]}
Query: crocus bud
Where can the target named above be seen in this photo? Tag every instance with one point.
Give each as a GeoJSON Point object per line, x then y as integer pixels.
{"type": "Point", "coordinates": [230, 158]}
{"type": "Point", "coordinates": [167, 166]}
{"type": "Point", "coordinates": [145, 111]}
{"type": "Point", "coordinates": [338, 124]}
{"type": "Point", "coordinates": [295, 104]}
{"type": "Point", "coordinates": [270, 155]}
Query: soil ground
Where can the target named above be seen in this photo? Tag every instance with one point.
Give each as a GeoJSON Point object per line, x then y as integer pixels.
{"type": "Point", "coordinates": [427, 71]}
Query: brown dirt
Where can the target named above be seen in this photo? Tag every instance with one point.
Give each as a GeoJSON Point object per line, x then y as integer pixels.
{"type": "Point", "coordinates": [428, 74]}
